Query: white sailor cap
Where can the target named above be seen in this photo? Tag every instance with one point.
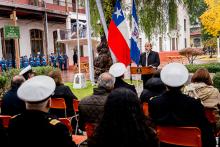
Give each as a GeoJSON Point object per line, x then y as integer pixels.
{"type": "Point", "coordinates": [174, 74]}
{"type": "Point", "coordinates": [36, 89]}
{"type": "Point", "coordinates": [117, 69]}
{"type": "Point", "coordinates": [25, 70]}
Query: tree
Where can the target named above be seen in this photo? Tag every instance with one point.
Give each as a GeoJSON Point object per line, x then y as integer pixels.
{"type": "Point", "coordinates": [191, 53]}
{"type": "Point", "coordinates": [154, 15]}
{"type": "Point", "coordinates": [211, 17]}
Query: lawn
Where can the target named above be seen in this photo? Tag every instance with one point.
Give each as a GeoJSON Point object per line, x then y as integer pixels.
{"type": "Point", "coordinates": [81, 93]}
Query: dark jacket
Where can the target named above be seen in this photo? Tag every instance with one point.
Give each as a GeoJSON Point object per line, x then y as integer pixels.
{"type": "Point", "coordinates": [176, 109]}
{"type": "Point", "coordinates": [63, 91]}
{"type": "Point", "coordinates": [91, 108]}
{"type": "Point", "coordinates": [153, 59]}
{"type": "Point", "coordinates": [37, 128]}
{"type": "Point", "coordinates": [11, 104]}
{"type": "Point", "coordinates": [119, 83]}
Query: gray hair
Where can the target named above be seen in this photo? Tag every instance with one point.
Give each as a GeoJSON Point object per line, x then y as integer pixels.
{"type": "Point", "coordinates": [106, 80]}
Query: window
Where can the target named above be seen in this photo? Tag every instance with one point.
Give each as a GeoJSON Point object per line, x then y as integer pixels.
{"type": "Point", "coordinates": [197, 42]}
{"type": "Point", "coordinates": [184, 24]}
{"type": "Point", "coordinates": [160, 43]}
{"type": "Point", "coordinates": [173, 44]}
{"type": "Point", "coordinates": [185, 42]}
{"type": "Point", "coordinates": [57, 2]}
{"type": "Point", "coordinates": [34, 2]}
{"type": "Point", "coordinates": [58, 47]}
{"type": "Point", "coordinates": [81, 51]}
{"type": "Point", "coordinates": [36, 37]}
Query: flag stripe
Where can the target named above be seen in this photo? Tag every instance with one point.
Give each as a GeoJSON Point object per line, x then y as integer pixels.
{"type": "Point", "coordinates": [118, 44]}
{"type": "Point", "coordinates": [135, 52]}
{"type": "Point", "coordinates": [123, 28]}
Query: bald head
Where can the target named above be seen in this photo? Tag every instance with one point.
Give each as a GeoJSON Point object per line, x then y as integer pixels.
{"type": "Point", "coordinates": [106, 80]}
{"type": "Point", "coordinates": [148, 46]}
{"type": "Point", "coordinates": [17, 81]}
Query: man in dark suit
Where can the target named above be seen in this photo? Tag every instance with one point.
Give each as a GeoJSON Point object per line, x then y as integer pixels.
{"type": "Point", "coordinates": [118, 70]}
{"type": "Point", "coordinates": [149, 58]}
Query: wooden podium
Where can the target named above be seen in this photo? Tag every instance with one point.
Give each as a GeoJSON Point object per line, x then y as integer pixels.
{"type": "Point", "coordinates": [142, 70]}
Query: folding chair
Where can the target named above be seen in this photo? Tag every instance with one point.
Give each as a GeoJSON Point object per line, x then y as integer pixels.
{"type": "Point", "coordinates": [145, 109]}
{"type": "Point", "coordinates": [182, 136]}
{"type": "Point", "coordinates": [210, 115]}
{"type": "Point", "coordinates": [90, 128]}
{"type": "Point", "coordinates": [58, 103]}
{"type": "Point", "coordinates": [78, 139]}
{"type": "Point", "coordinates": [5, 120]}
{"type": "Point", "coordinates": [76, 110]}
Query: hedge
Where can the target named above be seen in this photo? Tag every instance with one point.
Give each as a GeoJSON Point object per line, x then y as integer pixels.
{"type": "Point", "coordinates": [216, 80]}
{"type": "Point", "coordinates": [211, 67]}
{"type": "Point", "coordinates": [6, 77]}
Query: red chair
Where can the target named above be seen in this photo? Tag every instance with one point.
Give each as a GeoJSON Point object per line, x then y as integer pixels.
{"type": "Point", "coordinates": [76, 105]}
{"type": "Point", "coordinates": [5, 120]}
{"type": "Point", "coordinates": [78, 139]}
{"type": "Point", "coordinates": [90, 128]}
{"type": "Point", "coordinates": [58, 103]}
{"type": "Point", "coordinates": [210, 115]}
{"type": "Point", "coordinates": [182, 136]}
{"type": "Point", "coordinates": [145, 109]}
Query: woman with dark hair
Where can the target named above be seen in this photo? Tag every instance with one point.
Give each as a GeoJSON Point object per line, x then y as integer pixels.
{"type": "Point", "coordinates": [62, 91]}
{"type": "Point", "coordinates": [123, 123]}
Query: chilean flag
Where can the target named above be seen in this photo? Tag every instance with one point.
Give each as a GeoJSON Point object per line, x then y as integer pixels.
{"type": "Point", "coordinates": [118, 36]}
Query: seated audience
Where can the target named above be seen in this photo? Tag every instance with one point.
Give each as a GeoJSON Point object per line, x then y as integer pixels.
{"type": "Point", "coordinates": [202, 88]}
{"type": "Point", "coordinates": [173, 108]}
{"type": "Point", "coordinates": [11, 104]}
{"type": "Point", "coordinates": [118, 70]}
{"type": "Point", "coordinates": [62, 91]}
{"type": "Point", "coordinates": [91, 108]}
{"type": "Point", "coordinates": [35, 127]}
{"type": "Point", "coordinates": [154, 87]}
{"type": "Point", "coordinates": [123, 123]}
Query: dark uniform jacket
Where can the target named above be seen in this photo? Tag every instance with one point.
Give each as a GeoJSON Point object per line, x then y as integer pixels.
{"type": "Point", "coordinates": [37, 128]}
{"type": "Point", "coordinates": [175, 108]}
{"type": "Point", "coordinates": [153, 59]}
{"type": "Point", "coordinates": [11, 104]}
{"type": "Point", "coordinates": [63, 91]}
{"type": "Point", "coordinates": [91, 108]}
{"type": "Point", "coordinates": [120, 83]}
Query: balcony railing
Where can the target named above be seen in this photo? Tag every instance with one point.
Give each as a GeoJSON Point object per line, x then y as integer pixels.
{"type": "Point", "coordinates": [37, 5]}
{"type": "Point", "coordinates": [71, 34]}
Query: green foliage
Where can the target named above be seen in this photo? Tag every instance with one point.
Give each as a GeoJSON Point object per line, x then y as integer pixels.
{"type": "Point", "coordinates": [216, 80]}
{"type": "Point", "coordinates": [43, 70]}
{"type": "Point", "coordinates": [3, 81]}
{"type": "Point", "coordinates": [154, 15]}
{"type": "Point", "coordinates": [211, 67]}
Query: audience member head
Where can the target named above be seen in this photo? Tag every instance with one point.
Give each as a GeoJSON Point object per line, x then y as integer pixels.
{"type": "Point", "coordinates": [118, 70]}
{"type": "Point", "coordinates": [17, 81]}
{"type": "Point", "coordinates": [36, 93]}
{"type": "Point", "coordinates": [26, 72]}
{"type": "Point", "coordinates": [123, 122]}
{"type": "Point", "coordinates": [174, 75]}
{"type": "Point", "coordinates": [153, 87]}
{"type": "Point", "coordinates": [106, 81]}
{"type": "Point", "coordinates": [56, 75]}
{"type": "Point", "coordinates": [202, 75]}
{"type": "Point", "coordinates": [148, 47]}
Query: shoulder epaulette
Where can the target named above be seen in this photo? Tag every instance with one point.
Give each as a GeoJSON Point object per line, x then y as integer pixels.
{"type": "Point", "coordinates": [152, 97]}
{"type": "Point", "coordinates": [54, 121]}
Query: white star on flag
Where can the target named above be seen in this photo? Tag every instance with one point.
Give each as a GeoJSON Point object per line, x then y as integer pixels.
{"type": "Point", "coordinates": [118, 13]}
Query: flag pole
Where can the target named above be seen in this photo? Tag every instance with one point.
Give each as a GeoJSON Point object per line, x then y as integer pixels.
{"type": "Point", "coordinates": [102, 18]}
{"type": "Point", "coordinates": [90, 50]}
{"type": "Point", "coordinates": [77, 33]}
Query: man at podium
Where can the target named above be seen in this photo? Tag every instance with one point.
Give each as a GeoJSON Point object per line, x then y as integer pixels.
{"type": "Point", "coordinates": [149, 58]}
